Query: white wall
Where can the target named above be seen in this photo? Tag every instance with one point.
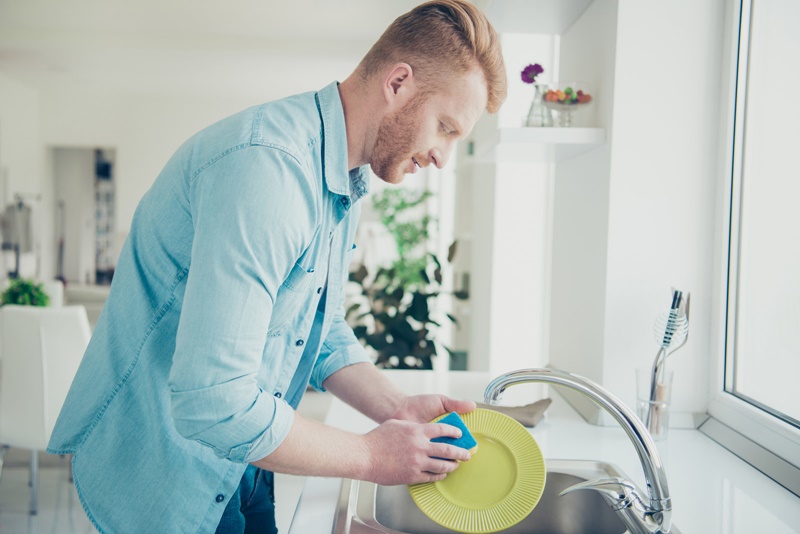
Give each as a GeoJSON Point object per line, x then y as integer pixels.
{"type": "Point", "coordinates": [661, 228]}
{"type": "Point", "coordinates": [22, 165]}
{"type": "Point", "coordinates": [658, 176]}
{"type": "Point", "coordinates": [503, 211]}
{"type": "Point", "coordinates": [520, 255]}
{"type": "Point", "coordinates": [143, 130]}
{"type": "Point", "coordinates": [581, 207]}
{"type": "Point", "coordinates": [74, 178]}
{"type": "Point", "coordinates": [20, 151]}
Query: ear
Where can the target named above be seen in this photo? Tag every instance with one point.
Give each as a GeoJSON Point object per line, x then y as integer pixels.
{"type": "Point", "coordinates": [399, 85]}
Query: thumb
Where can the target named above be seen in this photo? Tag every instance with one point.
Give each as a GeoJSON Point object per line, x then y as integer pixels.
{"type": "Point", "coordinates": [459, 406]}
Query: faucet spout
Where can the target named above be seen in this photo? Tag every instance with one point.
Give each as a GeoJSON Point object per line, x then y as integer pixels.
{"type": "Point", "coordinates": [655, 516]}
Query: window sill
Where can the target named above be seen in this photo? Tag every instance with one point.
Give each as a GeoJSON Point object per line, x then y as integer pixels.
{"type": "Point", "coordinates": [769, 445]}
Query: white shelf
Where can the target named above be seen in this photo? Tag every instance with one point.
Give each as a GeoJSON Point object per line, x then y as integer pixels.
{"type": "Point", "coordinates": [537, 144]}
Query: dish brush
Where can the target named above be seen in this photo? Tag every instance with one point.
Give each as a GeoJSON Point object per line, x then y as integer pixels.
{"type": "Point", "coordinates": [671, 330]}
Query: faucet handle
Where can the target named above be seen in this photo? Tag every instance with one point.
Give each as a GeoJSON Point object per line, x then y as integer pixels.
{"type": "Point", "coordinates": [619, 492]}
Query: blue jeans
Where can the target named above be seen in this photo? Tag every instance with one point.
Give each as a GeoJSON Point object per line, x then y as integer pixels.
{"type": "Point", "coordinates": [251, 509]}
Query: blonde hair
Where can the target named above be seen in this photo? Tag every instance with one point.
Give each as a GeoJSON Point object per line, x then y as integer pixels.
{"type": "Point", "coordinates": [440, 39]}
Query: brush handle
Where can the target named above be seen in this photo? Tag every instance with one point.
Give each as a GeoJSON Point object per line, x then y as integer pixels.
{"type": "Point", "coordinates": [656, 409]}
{"type": "Point", "coordinates": [662, 394]}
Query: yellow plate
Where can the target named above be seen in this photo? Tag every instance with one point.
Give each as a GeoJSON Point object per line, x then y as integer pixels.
{"type": "Point", "coordinates": [494, 490]}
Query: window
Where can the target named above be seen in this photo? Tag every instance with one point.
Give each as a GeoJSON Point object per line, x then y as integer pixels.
{"type": "Point", "coordinates": [758, 393]}
{"type": "Point", "coordinates": [763, 350]}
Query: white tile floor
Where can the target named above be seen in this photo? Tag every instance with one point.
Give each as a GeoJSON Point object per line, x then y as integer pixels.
{"type": "Point", "coordinates": [60, 510]}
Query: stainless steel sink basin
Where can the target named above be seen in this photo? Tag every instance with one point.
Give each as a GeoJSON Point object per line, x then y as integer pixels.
{"type": "Point", "coordinates": [366, 508]}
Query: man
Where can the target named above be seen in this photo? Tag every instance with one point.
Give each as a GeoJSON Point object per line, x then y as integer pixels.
{"type": "Point", "coordinates": [227, 298]}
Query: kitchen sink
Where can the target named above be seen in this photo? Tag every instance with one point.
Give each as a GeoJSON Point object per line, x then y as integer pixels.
{"type": "Point", "coordinates": [366, 508]}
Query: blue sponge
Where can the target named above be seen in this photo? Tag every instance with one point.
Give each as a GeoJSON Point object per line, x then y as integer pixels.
{"type": "Point", "coordinates": [466, 441]}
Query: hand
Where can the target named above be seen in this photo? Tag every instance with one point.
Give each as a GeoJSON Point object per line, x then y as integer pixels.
{"type": "Point", "coordinates": [424, 408]}
{"type": "Point", "coordinates": [401, 452]}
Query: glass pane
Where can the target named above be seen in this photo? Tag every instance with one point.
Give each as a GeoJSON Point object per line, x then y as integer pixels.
{"type": "Point", "coordinates": [767, 310]}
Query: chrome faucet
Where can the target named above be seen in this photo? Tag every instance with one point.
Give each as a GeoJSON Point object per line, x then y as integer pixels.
{"type": "Point", "coordinates": [655, 517]}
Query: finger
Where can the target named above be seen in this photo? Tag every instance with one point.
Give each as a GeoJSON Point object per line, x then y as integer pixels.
{"type": "Point", "coordinates": [459, 406]}
{"type": "Point", "coordinates": [441, 430]}
{"type": "Point", "coordinates": [429, 477]}
{"type": "Point", "coordinates": [448, 452]}
{"type": "Point", "coordinates": [439, 466]}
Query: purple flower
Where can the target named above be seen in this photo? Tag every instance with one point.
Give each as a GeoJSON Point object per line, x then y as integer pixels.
{"type": "Point", "coordinates": [530, 73]}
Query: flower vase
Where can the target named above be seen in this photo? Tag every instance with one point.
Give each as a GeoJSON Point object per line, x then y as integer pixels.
{"type": "Point", "coordinates": [539, 114]}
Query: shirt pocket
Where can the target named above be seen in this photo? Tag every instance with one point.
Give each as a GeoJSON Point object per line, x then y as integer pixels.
{"type": "Point", "coordinates": [298, 280]}
{"type": "Point", "coordinates": [291, 295]}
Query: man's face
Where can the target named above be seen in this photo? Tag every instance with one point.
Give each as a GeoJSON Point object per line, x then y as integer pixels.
{"type": "Point", "coordinates": [425, 130]}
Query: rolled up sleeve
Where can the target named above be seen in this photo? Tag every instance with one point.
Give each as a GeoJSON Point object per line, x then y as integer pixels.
{"type": "Point", "coordinates": [252, 212]}
{"type": "Point", "coordinates": [340, 349]}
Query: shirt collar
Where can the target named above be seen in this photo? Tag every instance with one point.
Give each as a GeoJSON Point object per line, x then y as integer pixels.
{"type": "Point", "coordinates": [338, 177]}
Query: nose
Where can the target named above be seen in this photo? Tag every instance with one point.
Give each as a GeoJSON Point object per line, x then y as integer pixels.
{"type": "Point", "coordinates": [439, 157]}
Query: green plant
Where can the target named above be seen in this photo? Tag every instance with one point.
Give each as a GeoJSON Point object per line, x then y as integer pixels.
{"type": "Point", "coordinates": [394, 315]}
{"type": "Point", "coordinates": [25, 292]}
{"type": "Point", "coordinates": [394, 207]}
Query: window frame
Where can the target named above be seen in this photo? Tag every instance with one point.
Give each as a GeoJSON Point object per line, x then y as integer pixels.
{"type": "Point", "coordinates": [757, 435]}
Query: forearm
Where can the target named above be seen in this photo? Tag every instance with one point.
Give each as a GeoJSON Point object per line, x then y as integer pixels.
{"type": "Point", "coordinates": [366, 389]}
{"type": "Point", "coordinates": [314, 449]}
{"type": "Point", "coordinates": [396, 452]}
{"type": "Point", "coordinates": [399, 451]}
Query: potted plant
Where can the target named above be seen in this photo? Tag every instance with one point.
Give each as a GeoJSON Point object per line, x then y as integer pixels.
{"type": "Point", "coordinates": [25, 292]}
{"type": "Point", "coordinates": [395, 315]}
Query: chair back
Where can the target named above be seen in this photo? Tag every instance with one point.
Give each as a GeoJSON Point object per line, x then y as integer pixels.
{"type": "Point", "coordinates": [41, 351]}
{"type": "Point", "coordinates": [54, 290]}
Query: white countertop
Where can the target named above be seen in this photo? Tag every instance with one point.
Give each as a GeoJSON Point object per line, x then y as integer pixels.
{"type": "Point", "coordinates": [712, 490]}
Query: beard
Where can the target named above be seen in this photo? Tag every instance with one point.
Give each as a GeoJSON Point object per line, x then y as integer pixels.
{"type": "Point", "coordinates": [394, 143]}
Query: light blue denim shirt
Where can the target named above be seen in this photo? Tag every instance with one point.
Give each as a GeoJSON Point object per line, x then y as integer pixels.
{"type": "Point", "coordinates": [227, 300]}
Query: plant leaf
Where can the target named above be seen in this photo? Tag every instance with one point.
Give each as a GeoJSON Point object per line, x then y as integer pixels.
{"type": "Point", "coordinates": [424, 276]}
{"type": "Point", "coordinates": [351, 309]}
{"type": "Point", "coordinates": [418, 309]}
{"type": "Point", "coordinates": [451, 252]}
{"type": "Point", "coordinates": [359, 275]}
{"type": "Point", "coordinates": [360, 332]}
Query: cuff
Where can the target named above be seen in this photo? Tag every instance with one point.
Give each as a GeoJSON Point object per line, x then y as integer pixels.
{"type": "Point", "coordinates": [272, 437]}
{"type": "Point", "coordinates": [349, 355]}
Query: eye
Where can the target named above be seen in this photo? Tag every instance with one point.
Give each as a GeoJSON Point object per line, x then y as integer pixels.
{"type": "Point", "coordinates": [449, 129]}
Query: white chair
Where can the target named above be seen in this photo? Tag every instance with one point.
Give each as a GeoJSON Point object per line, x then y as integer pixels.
{"type": "Point", "coordinates": [54, 290]}
{"type": "Point", "coordinates": [41, 349]}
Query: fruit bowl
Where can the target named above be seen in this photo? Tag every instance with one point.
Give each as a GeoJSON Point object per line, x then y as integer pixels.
{"type": "Point", "coordinates": [567, 97]}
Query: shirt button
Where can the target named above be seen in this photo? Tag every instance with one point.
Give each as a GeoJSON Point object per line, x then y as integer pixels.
{"type": "Point", "coordinates": [220, 497]}
{"type": "Point", "coordinates": [299, 342]}
{"type": "Point", "coordinates": [278, 394]}
{"type": "Point", "coordinates": [319, 290]}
